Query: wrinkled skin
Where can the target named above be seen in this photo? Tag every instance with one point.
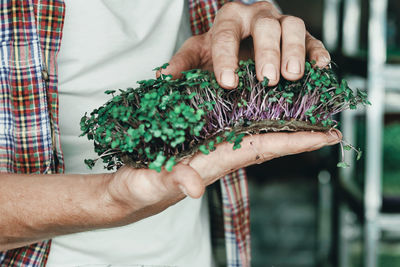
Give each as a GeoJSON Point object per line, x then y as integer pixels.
{"type": "Point", "coordinates": [279, 44]}
{"type": "Point", "coordinates": [74, 203]}
{"type": "Point", "coordinates": [157, 191]}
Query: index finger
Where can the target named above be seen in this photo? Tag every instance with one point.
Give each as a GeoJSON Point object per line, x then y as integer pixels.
{"type": "Point", "coordinates": [226, 35]}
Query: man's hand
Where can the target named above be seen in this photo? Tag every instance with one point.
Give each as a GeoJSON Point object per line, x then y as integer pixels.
{"type": "Point", "coordinates": [279, 45]}
{"type": "Point", "coordinates": [150, 192]}
{"type": "Point", "coordinates": [75, 203]}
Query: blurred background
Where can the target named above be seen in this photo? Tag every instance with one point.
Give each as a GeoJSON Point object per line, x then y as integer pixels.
{"type": "Point", "coordinates": [304, 210]}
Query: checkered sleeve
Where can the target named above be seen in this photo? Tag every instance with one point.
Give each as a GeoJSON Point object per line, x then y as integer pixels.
{"type": "Point", "coordinates": [30, 37]}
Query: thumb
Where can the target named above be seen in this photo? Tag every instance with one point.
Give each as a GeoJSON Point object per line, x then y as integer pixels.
{"type": "Point", "coordinates": [188, 57]}
{"type": "Point", "coordinates": [188, 181]}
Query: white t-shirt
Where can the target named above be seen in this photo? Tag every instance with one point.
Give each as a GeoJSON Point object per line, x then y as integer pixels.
{"type": "Point", "coordinates": [111, 44]}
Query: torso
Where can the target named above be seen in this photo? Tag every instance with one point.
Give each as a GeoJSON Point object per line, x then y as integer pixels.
{"type": "Point", "coordinates": [110, 45]}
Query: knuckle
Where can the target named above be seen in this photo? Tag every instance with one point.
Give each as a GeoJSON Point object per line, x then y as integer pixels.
{"type": "Point", "coordinates": [220, 37]}
{"type": "Point", "coordinates": [195, 39]}
{"type": "Point", "coordinates": [267, 23]}
{"type": "Point", "coordinates": [309, 37]}
{"type": "Point", "coordinates": [195, 42]}
{"type": "Point", "coordinates": [296, 48]}
{"type": "Point", "coordinates": [231, 6]}
{"type": "Point", "coordinates": [269, 54]}
{"type": "Point", "coordinates": [200, 43]}
{"type": "Point", "coordinates": [292, 20]}
{"type": "Point", "coordinates": [319, 51]}
{"type": "Point", "coordinates": [319, 44]}
{"type": "Point", "coordinates": [325, 53]}
{"type": "Point", "coordinates": [263, 5]}
{"type": "Point", "coordinates": [192, 42]}
{"type": "Point", "coordinates": [315, 43]}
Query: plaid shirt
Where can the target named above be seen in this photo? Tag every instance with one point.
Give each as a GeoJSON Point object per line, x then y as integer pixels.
{"type": "Point", "coordinates": [31, 32]}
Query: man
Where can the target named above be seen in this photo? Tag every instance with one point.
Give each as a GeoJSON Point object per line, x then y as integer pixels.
{"type": "Point", "coordinates": [121, 39]}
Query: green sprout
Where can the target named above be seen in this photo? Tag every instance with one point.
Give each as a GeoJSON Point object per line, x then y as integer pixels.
{"type": "Point", "coordinates": [164, 120]}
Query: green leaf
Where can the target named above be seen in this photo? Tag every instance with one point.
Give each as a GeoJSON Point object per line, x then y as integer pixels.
{"type": "Point", "coordinates": [192, 95]}
{"type": "Point", "coordinates": [147, 137]}
{"type": "Point", "coordinates": [204, 149]}
{"type": "Point", "coordinates": [170, 163]}
{"type": "Point", "coordinates": [347, 147]}
{"type": "Point", "coordinates": [338, 91]}
{"type": "Point", "coordinates": [204, 85]}
{"type": "Point", "coordinates": [237, 146]}
{"type": "Point", "coordinates": [288, 95]}
{"type": "Point", "coordinates": [157, 133]}
{"type": "Point", "coordinates": [308, 66]}
{"type": "Point", "coordinates": [158, 162]}
{"type": "Point", "coordinates": [229, 136]}
{"type": "Point", "coordinates": [199, 114]}
{"type": "Point", "coordinates": [359, 154]}
{"type": "Point", "coordinates": [153, 166]}
{"type": "Point", "coordinates": [177, 141]}
{"type": "Point", "coordinates": [108, 92]}
{"type": "Point", "coordinates": [272, 99]}
{"type": "Point", "coordinates": [190, 75]}
{"type": "Point", "coordinates": [166, 77]}
{"type": "Point", "coordinates": [343, 165]}
{"type": "Point", "coordinates": [238, 140]}
{"type": "Point", "coordinates": [265, 82]}
{"type": "Point", "coordinates": [90, 163]}
{"type": "Point", "coordinates": [117, 98]}
{"type": "Point", "coordinates": [114, 143]}
{"type": "Point", "coordinates": [211, 145]}
{"type": "Point", "coordinates": [310, 110]}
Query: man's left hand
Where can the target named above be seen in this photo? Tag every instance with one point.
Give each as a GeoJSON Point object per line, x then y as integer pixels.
{"type": "Point", "coordinates": [278, 43]}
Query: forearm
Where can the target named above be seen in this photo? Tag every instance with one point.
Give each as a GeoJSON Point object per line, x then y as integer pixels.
{"type": "Point", "coordinates": [38, 207]}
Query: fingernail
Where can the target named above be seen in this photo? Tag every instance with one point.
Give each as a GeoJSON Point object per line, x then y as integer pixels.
{"type": "Point", "coordinates": [334, 137]}
{"type": "Point", "coordinates": [293, 66]}
{"type": "Point", "coordinates": [183, 189]}
{"type": "Point", "coordinates": [269, 71]}
{"type": "Point", "coordinates": [228, 78]}
{"type": "Point", "coordinates": [323, 61]}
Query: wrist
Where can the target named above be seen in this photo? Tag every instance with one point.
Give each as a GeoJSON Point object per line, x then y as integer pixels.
{"type": "Point", "coordinates": [113, 207]}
